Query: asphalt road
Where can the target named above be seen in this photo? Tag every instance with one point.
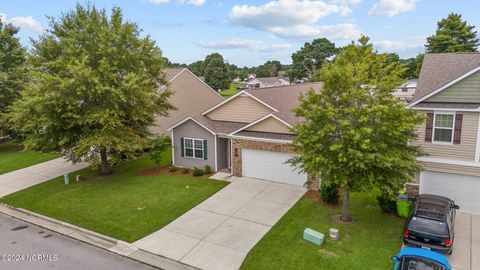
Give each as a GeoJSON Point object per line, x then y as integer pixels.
{"type": "Point", "coordinates": [34, 248]}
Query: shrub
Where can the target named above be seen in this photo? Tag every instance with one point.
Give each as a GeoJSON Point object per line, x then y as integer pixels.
{"type": "Point", "coordinates": [185, 170]}
{"type": "Point", "coordinates": [198, 172]}
{"type": "Point", "coordinates": [159, 144]}
{"type": "Point", "coordinates": [173, 169]}
{"type": "Point", "coordinates": [387, 204]}
{"type": "Point", "coordinates": [208, 169]}
{"type": "Point", "coordinates": [329, 194]}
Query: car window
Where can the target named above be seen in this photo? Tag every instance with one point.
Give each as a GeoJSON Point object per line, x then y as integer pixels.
{"type": "Point", "coordinates": [429, 226]}
{"type": "Point", "coordinates": [419, 263]}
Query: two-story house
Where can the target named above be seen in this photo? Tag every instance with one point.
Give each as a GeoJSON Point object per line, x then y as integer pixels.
{"type": "Point", "coordinates": [248, 134]}
{"type": "Point", "coordinates": [191, 95]}
{"type": "Point", "coordinates": [448, 94]}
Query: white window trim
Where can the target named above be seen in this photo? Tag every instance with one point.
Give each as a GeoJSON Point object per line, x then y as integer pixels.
{"type": "Point", "coordinates": [452, 128]}
{"type": "Point", "coordinates": [193, 147]}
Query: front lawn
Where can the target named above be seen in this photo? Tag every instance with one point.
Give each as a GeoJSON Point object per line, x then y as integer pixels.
{"type": "Point", "coordinates": [232, 90]}
{"type": "Point", "coordinates": [123, 205]}
{"type": "Point", "coordinates": [14, 157]}
{"type": "Point", "coordinates": [369, 243]}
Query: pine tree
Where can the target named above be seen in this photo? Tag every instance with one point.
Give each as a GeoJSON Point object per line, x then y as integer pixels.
{"type": "Point", "coordinates": [453, 35]}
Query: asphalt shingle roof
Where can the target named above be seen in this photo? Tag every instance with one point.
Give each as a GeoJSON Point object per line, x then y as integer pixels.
{"type": "Point", "coordinates": [439, 69]}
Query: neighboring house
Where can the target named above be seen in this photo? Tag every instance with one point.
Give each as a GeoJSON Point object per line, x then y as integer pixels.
{"type": "Point", "coordinates": [191, 95]}
{"type": "Point", "coordinates": [248, 134]}
{"type": "Point", "coordinates": [406, 91]}
{"type": "Point", "coordinates": [266, 82]}
{"type": "Point", "coordinates": [448, 95]}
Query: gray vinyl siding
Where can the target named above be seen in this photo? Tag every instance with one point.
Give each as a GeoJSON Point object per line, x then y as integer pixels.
{"type": "Point", "coordinates": [222, 149]}
{"type": "Point", "coordinates": [464, 91]}
{"type": "Point", "coordinates": [190, 129]}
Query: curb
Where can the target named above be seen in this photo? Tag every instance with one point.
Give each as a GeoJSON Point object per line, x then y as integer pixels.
{"type": "Point", "coordinates": [104, 242]}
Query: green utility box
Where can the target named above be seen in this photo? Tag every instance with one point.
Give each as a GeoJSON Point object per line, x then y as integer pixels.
{"type": "Point", "coordinates": [313, 236]}
{"type": "Point", "coordinates": [404, 205]}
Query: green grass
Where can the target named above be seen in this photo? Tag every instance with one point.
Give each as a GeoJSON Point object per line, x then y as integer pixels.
{"type": "Point", "coordinates": [14, 157]}
{"type": "Point", "coordinates": [232, 90]}
{"type": "Point", "coordinates": [109, 204]}
{"type": "Point", "coordinates": [369, 243]}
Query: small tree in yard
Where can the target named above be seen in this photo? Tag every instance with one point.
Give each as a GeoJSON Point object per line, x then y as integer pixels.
{"type": "Point", "coordinates": [95, 88]}
{"type": "Point", "coordinates": [160, 144]}
{"type": "Point", "coordinates": [355, 133]}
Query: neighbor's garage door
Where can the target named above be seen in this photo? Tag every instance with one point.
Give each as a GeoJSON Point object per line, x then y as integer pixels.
{"type": "Point", "coordinates": [270, 166]}
{"type": "Point", "coordinates": [464, 189]}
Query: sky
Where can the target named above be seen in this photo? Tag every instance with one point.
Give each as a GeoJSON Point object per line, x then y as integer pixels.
{"type": "Point", "coordinates": [248, 33]}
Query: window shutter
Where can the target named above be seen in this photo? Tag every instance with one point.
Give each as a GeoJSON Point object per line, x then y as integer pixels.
{"type": "Point", "coordinates": [429, 128]}
{"type": "Point", "coordinates": [205, 154]}
{"type": "Point", "coordinates": [457, 133]}
{"type": "Point", "coordinates": [182, 148]}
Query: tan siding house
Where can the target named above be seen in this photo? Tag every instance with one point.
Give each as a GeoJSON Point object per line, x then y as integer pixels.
{"type": "Point", "coordinates": [448, 94]}
{"type": "Point", "coordinates": [190, 96]}
{"type": "Point", "coordinates": [250, 133]}
{"type": "Point", "coordinates": [242, 109]}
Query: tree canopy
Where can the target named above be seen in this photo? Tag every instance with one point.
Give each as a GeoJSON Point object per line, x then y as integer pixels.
{"type": "Point", "coordinates": [13, 71]}
{"type": "Point", "coordinates": [96, 88]}
{"type": "Point", "coordinates": [215, 71]}
{"type": "Point", "coordinates": [310, 58]}
{"type": "Point", "coordinates": [453, 35]}
{"type": "Point", "coordinates": [356, 134]}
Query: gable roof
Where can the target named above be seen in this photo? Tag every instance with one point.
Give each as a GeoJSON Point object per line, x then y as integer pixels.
{"type": "Point", "coordinates": [171, 73]}
{"type": "Point", "coordinates": [440, 70]}
{"type": "Point", "coordinates": [266, 80]}
{"type": "Point", "coordinates": [260, 120]}
{"type": "Point", "coordinates": [284, 98]}
{"type": "Point", "coordinates": [213, 126]}
{"type": "Point", "coordinates": [241, 93]}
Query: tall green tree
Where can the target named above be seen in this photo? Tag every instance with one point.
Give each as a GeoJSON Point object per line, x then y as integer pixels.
{"type": "Point", "coordinates": [13, 71]}
{"type": "Point", "coordinates": [310, 58]}
{"type": "Point", "coordinates": [196, 68]}
{"type": "Point", "coordinates": [356, 134]}
{"type": "Point", "coordinates": [96, 88]}
{"type": "Point", "coordinates": [453, 35]}
{"type": "Point", "coordinates": [215, 71]}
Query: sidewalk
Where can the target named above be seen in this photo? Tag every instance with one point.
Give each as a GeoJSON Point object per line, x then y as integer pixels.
{"type": "Point", "coordinates": [95, 239]}
{"type": "Point", "coordinates": [23, 178]}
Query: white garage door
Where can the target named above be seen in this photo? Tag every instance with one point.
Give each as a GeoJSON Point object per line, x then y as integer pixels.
{"type": "Point", "coordinates": [270, 166]}
{"type": "Point", "coordinates": [463, 189]}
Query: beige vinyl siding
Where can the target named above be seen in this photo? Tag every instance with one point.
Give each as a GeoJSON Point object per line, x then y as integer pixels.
{"type": "Point", "coordinates": [466, 91]}
{"type": "Point", "coordinates": [243, 109]}
{"type": "Point", "coordinates": [450, 168]}
{"type": "Point", "coordinates": [270, 125]}
{"type": "Point", "coordinates": [190, 96]}
{"type": "Point", "coordinates": [463, 151]}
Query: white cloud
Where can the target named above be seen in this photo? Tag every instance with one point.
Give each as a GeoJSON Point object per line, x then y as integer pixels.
{"type": "Point", "coordinates": [28, 24]}
{"type": "Point", "coordinates": [392, 7]}
{"type": "Point", "coordinates": [253, 45]}
{"type": "Point", "coordinates": [296, 19]}
{"type": "Point", "coordinates": [346, 31]}
{"type": "Point", "coordinates": [191, 2]}
{"type": "Point", "coordinates": [346, 2]}
{"type": "Point", "coordinates": [408, 47]}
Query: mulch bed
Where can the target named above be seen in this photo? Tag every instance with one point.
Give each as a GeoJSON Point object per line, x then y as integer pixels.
{"type": "Point", "coordinates": [166, 170]}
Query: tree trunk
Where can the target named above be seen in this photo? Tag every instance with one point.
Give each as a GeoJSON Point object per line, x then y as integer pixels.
{"type": "Point", "coordinates": [346, 205]}
{"type": "Point", "coordinates": [104, 162]}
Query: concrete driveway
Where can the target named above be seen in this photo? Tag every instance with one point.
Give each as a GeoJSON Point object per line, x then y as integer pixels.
{"type": "Point", "coordinates": [23, 178]}
{"type": "Point", "coordinates": [219, 232]}
{"type": "Point", "coordinates": [466, 250]}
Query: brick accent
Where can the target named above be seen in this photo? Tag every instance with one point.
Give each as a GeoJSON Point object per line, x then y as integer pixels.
{"type": "Point", "coordinates": [413, 189]}
{"type": "Point", "coordinates": [238, 145]}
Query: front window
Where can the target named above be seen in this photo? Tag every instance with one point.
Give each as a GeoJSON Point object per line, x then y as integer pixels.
{"type": "Point", "coordinates": [194, 148]}
{"type": "Point", "coordinates": [443, 128]}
